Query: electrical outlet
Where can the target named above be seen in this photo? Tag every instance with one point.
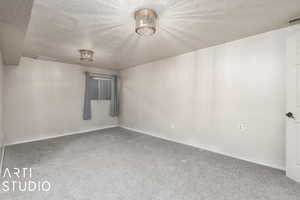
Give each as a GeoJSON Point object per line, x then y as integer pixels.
{"type": "Point", "coordinates": [242, 127]}
{"type": "Point", "coordinates": [172, 125]}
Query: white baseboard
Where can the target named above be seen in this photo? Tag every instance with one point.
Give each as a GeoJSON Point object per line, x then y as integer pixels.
{"type": "Point", "coordinates": [62, 135]}
{"type": "Point", "coordinates": [205, 148]}
{"type": "Point", "coordinates": [147, 133]}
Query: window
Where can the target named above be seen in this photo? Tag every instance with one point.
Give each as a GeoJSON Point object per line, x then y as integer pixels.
{"type": "Point", "coordinates": [104, 89]}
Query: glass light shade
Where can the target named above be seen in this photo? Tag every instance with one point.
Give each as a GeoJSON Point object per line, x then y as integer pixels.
{"type": "Point", "coordinates": [146, 22]}
{"type": "Point", "coordinates": [86, 55]}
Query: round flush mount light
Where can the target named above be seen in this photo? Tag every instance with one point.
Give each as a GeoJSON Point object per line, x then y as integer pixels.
{"type": "Point", "coordinates": [86, 55]}
{"type": "Point", "coordinates": [145, 22]}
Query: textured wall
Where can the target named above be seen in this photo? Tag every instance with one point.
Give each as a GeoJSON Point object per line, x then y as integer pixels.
{"type": "Point", "coordinates": [45, 99]}
{"type": "Point", "coordinates": [1, 113]}
{"type": "Point", "coordinates": [228, 98]}
{"type": "Point", "coordinates": [1, 102]}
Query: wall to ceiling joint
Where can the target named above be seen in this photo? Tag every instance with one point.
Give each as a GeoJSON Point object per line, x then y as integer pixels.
{"type": "Point", "coordinates": [108, 27]}
{"type": "Point", "coordinates": [44, 99]}
{"type": "Point", "coordinates": [228, 98]}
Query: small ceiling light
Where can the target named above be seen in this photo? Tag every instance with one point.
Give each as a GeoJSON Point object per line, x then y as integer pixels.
{"type": "Point", "coordinates": [86, 55]}
{"type": "Point", "coordinates": [146, 22]}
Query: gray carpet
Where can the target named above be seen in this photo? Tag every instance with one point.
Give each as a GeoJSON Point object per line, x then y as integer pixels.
{"type": "Point", "coordinates": [117, 164]}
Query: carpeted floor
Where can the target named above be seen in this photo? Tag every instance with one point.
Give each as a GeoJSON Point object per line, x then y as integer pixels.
{"type": "Point", "coordinates": [117, 164]}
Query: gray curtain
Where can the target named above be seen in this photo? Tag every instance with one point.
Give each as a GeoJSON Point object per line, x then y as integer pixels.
{"type": "Point", "coordinates": [114, 101]}
{"type": "Point", "coordinates": [91, 93]}
{"type": "Point", "coordinates": [102, 89]}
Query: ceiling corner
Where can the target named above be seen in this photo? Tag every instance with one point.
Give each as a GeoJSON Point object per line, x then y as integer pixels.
{"type": "Point", "coordinates": [14, 19]}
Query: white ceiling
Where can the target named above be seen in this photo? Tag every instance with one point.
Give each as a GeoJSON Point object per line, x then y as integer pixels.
{"type": "Point", "coordinates": [14, 19]}
{"type": "Point", "coordinates": [58, 28]}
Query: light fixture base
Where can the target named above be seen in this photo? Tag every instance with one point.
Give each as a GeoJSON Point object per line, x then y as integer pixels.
{"type": "Point", "coordinates": [146, 22]}
{"type": "Point", "coordinates": [86, 55]}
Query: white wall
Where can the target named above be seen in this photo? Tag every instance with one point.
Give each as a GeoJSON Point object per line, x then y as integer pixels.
{"type": "Point", "coordinates": [201, 98]}
{"type": "Point", "coordinates": [1, 102]}
{"type": "Point", "coordinates": [45, 99]}
{"type": "Point", "coordinates": [1, 113]}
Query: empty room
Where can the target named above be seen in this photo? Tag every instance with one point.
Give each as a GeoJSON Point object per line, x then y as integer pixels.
{"type": "Point", "coordinates": [149, 99]}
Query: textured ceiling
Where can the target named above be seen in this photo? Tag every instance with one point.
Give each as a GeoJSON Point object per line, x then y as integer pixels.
{"type": "Point", "coordinates": [14, 19]}
{"type": "Point", "coordinates": [58, 28]}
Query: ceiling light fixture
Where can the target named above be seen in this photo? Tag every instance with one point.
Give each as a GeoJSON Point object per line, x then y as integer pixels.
{"type": "Point", "coordinates": [86, 55]}
{"type": "Point", "coordinates": [145, 22]}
